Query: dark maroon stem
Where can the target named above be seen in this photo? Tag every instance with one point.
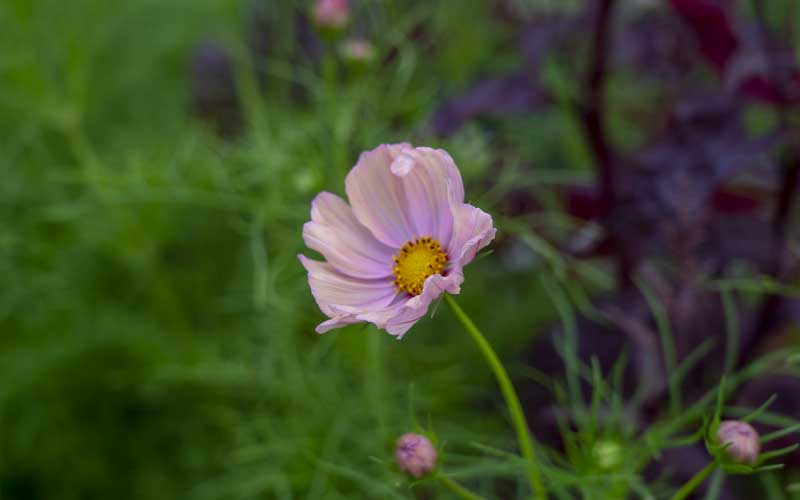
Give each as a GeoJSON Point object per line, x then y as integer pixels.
{"type": "Point", "coordinates": [592, 110]}
{"type": "Point", "coordinates": [791, 173]}
{"type": "Point", "coordinates": [790, 162]}
{"type": "Point", "coordinates": [594, 102]}
{"type": "Point", "coordinates": [765, 322]}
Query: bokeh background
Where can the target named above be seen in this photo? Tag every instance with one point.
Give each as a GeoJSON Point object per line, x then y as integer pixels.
{"type": "Point", "coordinates": [157, 162]}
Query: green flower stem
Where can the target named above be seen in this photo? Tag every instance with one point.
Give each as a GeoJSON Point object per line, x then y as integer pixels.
{"type": "Point", "coordinates": [458, 489]}
{"type": "Point", "coordinates": [694, 482]}
{"type": "Point", "coordinates": [512, 401]}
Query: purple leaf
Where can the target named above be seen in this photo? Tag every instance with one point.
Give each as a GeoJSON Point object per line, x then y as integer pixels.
{"type": "Point", "coordinates": [517, 93]}
{"type": "Point", "coordinates": [712, 29]}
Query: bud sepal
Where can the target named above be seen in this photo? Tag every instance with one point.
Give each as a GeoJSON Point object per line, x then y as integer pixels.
{"type": "Point", "coordinates": [736, 445]}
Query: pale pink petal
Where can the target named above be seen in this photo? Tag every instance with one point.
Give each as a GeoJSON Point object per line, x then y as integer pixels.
{"type": "Point", "coordinates": [337, 294]}
{"type": "Point", "coordinates": [429, 180]}
{"type": "Point", "coordinates": [416, 307]}
{"type": "Point", "coordinates": [343, 241]}
{"type": "Point", "coordinates": [377, 198]}
{"type": "Point", "coordinates": [472, 230]}
{"type": "Point", "coordinates": [331, 13]}
{"type": "Point", "coordinates": [345, 315]}
{"type": "Point", "coordinates": [337, 322]}
{"type": "Point", "coordinates": [400, 316]}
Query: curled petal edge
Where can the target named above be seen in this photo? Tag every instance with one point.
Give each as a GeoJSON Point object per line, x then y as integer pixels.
{"type": "Point", "coordinates": [398, 318]}
{"type": "Point", "coordinates": [473, 230]}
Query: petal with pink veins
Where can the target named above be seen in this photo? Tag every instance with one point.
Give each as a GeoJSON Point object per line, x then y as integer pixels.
{"type": "Point", "coordinates": [344, 242]}
{"type": "Point", "coordinates": [336, 292]}
{"type": "Point", "coordinates": [377, 196]}
{"type": "Point", "coordinates": [429, 180]}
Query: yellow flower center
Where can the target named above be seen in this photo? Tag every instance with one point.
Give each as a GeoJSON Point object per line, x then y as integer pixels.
{"type": "Point", "coordinates": [417, 260]}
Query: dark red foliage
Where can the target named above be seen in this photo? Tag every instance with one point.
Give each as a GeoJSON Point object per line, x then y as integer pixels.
{"type": "Point", "coordinates": [704, 195]}
{"type": "Point", "coordinates": [730, 202]}
{"type": "Point", "coordinates": [712, 29]}
{"type": "Point", "coordinates": [760, 88]}
{"type": "Point", "coordinates": [583, 202]}
{"type": "Point", "coordinates": [775, 80]}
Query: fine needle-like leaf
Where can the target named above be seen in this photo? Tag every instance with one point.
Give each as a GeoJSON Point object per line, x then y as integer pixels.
{"type": "Point", "coordinates": [779, 434]}
{"type": "Point", "coordinates": [761, 409]}
{"type": "Point", "coordinates": [668, 348]}
{"type": "Point", "coordinates": [777, 453]}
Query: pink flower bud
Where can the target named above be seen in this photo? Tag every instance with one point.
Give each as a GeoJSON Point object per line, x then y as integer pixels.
{"type": "Point", "coordinates": [331, 13]}
{"type": "Point", "coordinates": [415, 454]}
{"type": "Point", "coordinates": [744, 444]}
{"type": "Point", "coordinates": [357, 50]}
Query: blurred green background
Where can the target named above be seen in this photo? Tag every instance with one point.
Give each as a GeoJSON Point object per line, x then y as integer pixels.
{"type": "Point", "coordinates": [158, 329]}
{"type": "Point", "coordinates": [157, 163]}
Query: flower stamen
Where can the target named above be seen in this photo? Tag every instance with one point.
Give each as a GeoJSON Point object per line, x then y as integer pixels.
{"type": "Point", "coordinates": [417, 260]}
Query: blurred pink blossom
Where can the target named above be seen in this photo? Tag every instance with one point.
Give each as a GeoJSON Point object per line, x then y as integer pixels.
{"type": "Point", "coordinates": [331, 13]}
{"type": "Point", "coordinates": [357, 50]}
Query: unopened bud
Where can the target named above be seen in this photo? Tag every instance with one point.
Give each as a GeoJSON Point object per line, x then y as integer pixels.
{"type": "Point", "coordinates": [744, 444]}
{"type": "Point", "coordinates": [332, 14]}
{"type": "Point", "coordinates": [607, 454]}
{"type": "Point", "coordinates": [415, 454]}
{"type": "Point", "coordinates": [214, 94]}
{"type": "Point", "coordinates": [357, 50]}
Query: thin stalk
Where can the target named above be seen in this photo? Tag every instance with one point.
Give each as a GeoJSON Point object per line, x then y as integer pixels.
{"type": "Point", "coordinates": [594, 101]}
{"type": "Point", "coordinates": [732, 330]}
{"type": "Point", "coordinates": [375, 379]}
{"type": "Point", "coordinates": [694, 482]}
{"type": "Point", "coordinates": [458, 489]}
{"type": "Point", "coordinates": [510, 395]}
{"type": "Point", "coordinates": [668, 347]}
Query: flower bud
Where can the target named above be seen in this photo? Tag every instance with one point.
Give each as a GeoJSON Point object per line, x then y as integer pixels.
{"type": "Point", "coordinates": [214, 95]}
{"type": "Point", "coordinates": [607, 454]}
{"type": "Point", "coordinates": [744, 445]}
{"type": "Point", "coordinates": [415, 454]}
{"type": "Point", "coordinates": [331, 14]}
{"type": "Point", "coordinates": [357, 50]}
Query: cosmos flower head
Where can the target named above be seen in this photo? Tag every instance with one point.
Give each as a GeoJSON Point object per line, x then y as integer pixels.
{"type": "Point", "coordinates": [401, 242]}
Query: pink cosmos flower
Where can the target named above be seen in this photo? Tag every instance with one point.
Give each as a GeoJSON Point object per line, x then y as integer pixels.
{"type": "Point", "coordinates": [403, 240]}
{"type": "Point", "coordinates": [331, 13]}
